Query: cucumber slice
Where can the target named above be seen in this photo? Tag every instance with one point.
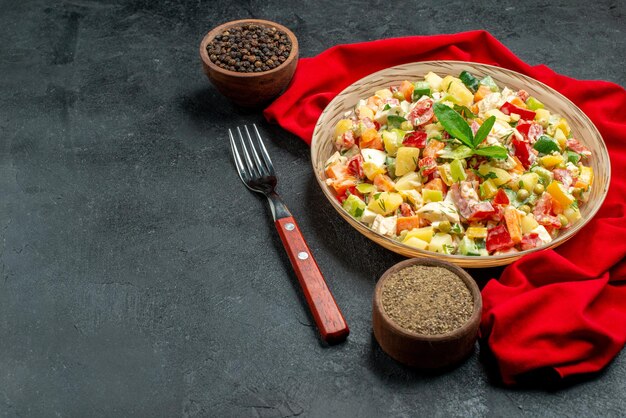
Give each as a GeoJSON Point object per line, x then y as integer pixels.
{"type": "Point", "coordinates": [488, 81]}
{"type": "Point", "coordinates": [467, 246]}
{"type": "Point", "coordinates": [391, 167]}
{"type": "Point", "coordinates": [422, 88]}
{"type": "Point", "coordinates": [469, 80]}
{"type": "Point", "coordinates": [534, 104]}
{"type": "Point", "coordinates": [457, 171]}
{"type": "Point", "coordinates": [354, 206]}
{"type": "Point", "coordinates": [365, 188]}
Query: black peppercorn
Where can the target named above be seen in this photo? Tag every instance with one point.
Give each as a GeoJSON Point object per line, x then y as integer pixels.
{"type": "Point", "coordinates": [249, 48]}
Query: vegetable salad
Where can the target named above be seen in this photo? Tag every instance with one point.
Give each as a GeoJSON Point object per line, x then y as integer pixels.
{"type": "Point", "coordinates": [459, 165]}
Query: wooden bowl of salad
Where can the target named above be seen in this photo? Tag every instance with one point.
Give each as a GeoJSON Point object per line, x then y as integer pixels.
{"type": "Point", "coordinates": [471, 163]}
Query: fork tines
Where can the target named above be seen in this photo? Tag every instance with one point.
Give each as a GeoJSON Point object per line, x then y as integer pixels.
{"type": "Point", "coordinates": [252, 165]}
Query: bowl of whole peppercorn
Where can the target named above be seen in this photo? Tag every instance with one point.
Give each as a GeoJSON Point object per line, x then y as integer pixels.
{"type": "Point", "coordinates": [250, 61]}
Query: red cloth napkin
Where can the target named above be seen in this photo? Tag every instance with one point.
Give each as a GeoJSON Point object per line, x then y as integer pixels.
{"type": "Point", "coordinates": [563, 309]}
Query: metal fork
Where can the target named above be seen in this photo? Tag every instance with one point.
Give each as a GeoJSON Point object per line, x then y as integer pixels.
{"type": "Point", "coordinates": [256, 171]}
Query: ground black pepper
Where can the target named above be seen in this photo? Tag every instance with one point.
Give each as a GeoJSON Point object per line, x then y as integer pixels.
{"type": "Point", "coordinates": [427, 300]}
{"type": "Point", "coordinates": [249, 48]}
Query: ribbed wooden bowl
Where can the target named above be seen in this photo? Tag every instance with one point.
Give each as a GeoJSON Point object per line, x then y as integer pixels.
{"type": "Point", "coordinates": [583, 129]}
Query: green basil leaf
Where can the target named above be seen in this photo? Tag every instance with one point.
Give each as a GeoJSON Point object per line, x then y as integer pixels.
{"type": "Point", "coordinates": [454, 124]}
{"type": "Point", "coordinates": [484, 130]}
{"type": "Point", "coordinates": [492, 152]}
{"type": "Point", "coordinates": [464, 111]}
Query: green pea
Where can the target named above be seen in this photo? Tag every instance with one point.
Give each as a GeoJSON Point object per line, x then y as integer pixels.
{"type": "Point", "coordinates": [398, 95]}
{"type": "Point", "coordinates": [444, 226]}
{"type": "Point", "coordinates": [564, 221]}
{"type": "Point", "coordinates": [522, 194]}
{"type": "Point", "coordinates": [525, 208]}
{"type": "Point", "coordinates": [539, 189]}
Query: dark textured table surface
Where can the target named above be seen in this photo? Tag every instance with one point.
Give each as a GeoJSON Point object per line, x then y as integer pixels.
{"type": "Point", "coordinates": [140, 278]}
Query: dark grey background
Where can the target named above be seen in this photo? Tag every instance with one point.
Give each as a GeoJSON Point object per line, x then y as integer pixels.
{"type": "Point", "coordinates": [139, 278]}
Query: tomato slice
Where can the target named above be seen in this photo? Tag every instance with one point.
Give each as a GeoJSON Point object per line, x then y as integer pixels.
{"type": "Point", "coordinates": [422, 112]}
{"type": "Point", "coordinates": [427, 166]}
{"type": "Point", "coordinates": [355, 166]}
{"type": "Point", "coordinates": [415, 139]}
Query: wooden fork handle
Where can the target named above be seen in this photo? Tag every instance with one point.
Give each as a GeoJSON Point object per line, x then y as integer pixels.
{"type": "Point", "coordinates": [330, 322]}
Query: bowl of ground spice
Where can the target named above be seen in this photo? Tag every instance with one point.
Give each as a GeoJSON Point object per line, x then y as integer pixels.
{"type": "Point", "coordinates": [250, 61]}
{"type": "Point", "coordinates": [426, 313]}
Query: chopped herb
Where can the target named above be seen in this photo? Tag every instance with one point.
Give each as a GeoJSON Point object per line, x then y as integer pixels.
{"type": "Point", "coordinates": [358, 212]}
{"type": "Point", "coordinates": [377, 195]}
{"type": "Point", "coordinates": [387, 107]}
{"type": "Point", "coordinates": [507, 136]}
{"type": "Point", "coordinates": [489, 175]}
{"type": "Point", "coordinates": [448, 249]}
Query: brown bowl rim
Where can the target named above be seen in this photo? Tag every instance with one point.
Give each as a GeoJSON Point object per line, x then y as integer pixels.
{"type": "Point", "coordinates": [463, 260]}
{"type": "Point", "coordinates": [472, 322]}
{"type": "Point", "coordinates": [204, 55]}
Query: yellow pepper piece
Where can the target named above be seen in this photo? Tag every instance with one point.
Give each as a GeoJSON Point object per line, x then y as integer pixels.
{"type": "Point", "coordinates": [365, 112]}
{"type": "Point", "coordinates": [563, 126]}
{"type": "Point", "coordinates": [424, 234]}
{"type": "Point", "coordinates": [476, 232]}
{"type": "Point", "coordinates": [558, 193]}
{"type": "Point", "coordinates": [551, 160]}
{"type": "Point", "coordinates": [488, 189]}
{"type": "Point", "coordinates": [342, 126]}
{"type": "Point", "coordinates": [585, 179]}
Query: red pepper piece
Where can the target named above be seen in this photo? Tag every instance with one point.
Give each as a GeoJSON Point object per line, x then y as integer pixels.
{"type": "Point", "coordinates": [415, 139]}
{"type": "Point", "coordinates": [501, 198]}
{"type": "Point", "coordinates": [508, 108]}
{"type": "Point", "coordinates": [523, 151]}
{"type": "Point", "coordinates": [498, 238]}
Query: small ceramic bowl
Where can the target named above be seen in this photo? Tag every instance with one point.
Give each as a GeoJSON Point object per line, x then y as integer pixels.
{"type": "Point", "coordinates": [250, 89]}
{"type": "Point", "coordinates": [426, 351]}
